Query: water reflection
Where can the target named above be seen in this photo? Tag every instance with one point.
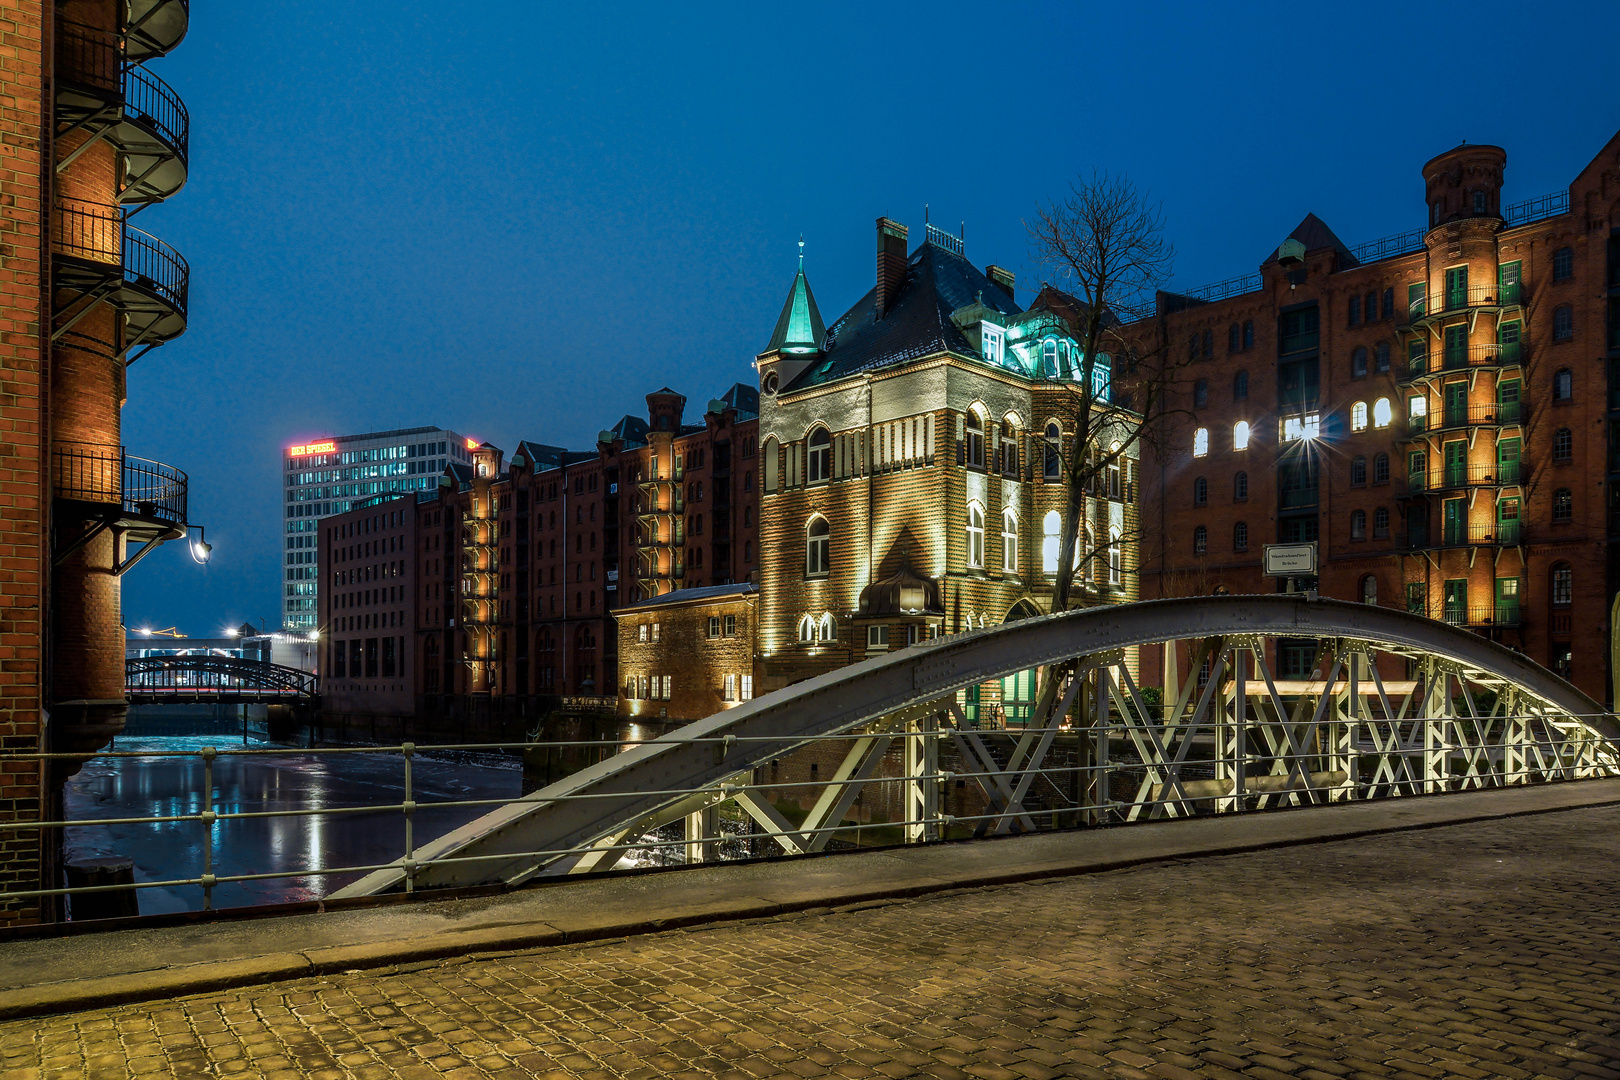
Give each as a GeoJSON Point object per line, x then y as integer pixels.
{"type": "Point", "coordinates": [150, 787]}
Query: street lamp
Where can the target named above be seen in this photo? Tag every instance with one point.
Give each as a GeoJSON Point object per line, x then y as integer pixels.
{"type": "Point", "coordinates": [200, 547]}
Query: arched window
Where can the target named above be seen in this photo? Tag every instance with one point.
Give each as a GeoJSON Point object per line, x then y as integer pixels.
{"type": "Point", "coordinates": [1240, 435]}
{"type": "Point", "coordinates": [1200, 393]}
{"type": "Point", "coordinates": [1358, 470]}
{"type": "Point", "coordinates": [1201, 442]}
{"type": "Point", "coordinates": [817, 548]}
{"type": "Point", "coordinates": [1240, 536]}
{"type": "Point", "coordinates": [1102, 377]}
{"type": "Point", "coordinates": [1200, 491]}
{"type": "Point", "coordinates": [820, 465]}
{"type": "Point", "coordinates": [1051, 525]}
{"type": "Point", "coordinates": [1007, 450]}
{"type": "Point", "coordinates": [1240, 386]}
{"type": "Point", "coordinates": [973, 440]}
{"type": "Point", "coordinates": [1383, 413]}
{"type": "Point", "coordinates": [1563, 585]}
{"type": "Point", "coordinates": [1358, 416]}
{"type": "Point", "coordinates": [1240, 487]}
{"type": "Point", "coordinates": [1564, 385]}
{"type": "Point", "coordinates": [1358, 363]}
{"type": "Point", "coordinates": [1234, 338]}
{"type": "Point", "coordinates": [1563, 445]}
{"type": "Point", "coordinates": [1248, 333]}
{"type": "Point", "coordinates": [828, 630]}
{"type": "Point", "coordinates": [1049, 358]}
{"type": "Point", "coordinates": [1358, 525]}
{"type": "Point", "coordinates": [1116, 558]}
{"type": "Point", "coordinates": [975, 536]}
{"type": "Point", "coordinates": [772, 464]}
{"type": "Point", "coordinates": [1381, 361]}
{"type": "Point", "coordinates": [1381, 468]}
{"type": "Point", "coordinates": [1369, 590]}
{"type": "Point", "coordinates": [1563, 264]}
{"type": "Point", "coordinates": [1563, 505]}
{"type": "Point", "coordinates": [1355, 320]}
{"type": "Point", "coordinates": [1381, 523]}
{"type": "Point", "coordinates": [1200, 540]}
{"type": "Point", "coordinates": [807, 629]}
{"type": "Point", "coordinates": [1563, 322]}
{"type": "Point", "coordinates": [1009, 542]}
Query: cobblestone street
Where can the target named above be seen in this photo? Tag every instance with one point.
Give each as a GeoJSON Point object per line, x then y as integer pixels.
{"type": "Point", "coordinates": [1484, 950]}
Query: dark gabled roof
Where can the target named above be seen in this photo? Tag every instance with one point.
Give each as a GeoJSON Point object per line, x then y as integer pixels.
{"type": "Point", "coordinates": [917, 324]}
{"type": "Point", "coordinates": [744, 398]}
{"type": "Point", "coordinates": [687, 596]}
{"type": "Point", "coordinates": [631, 430]}
{"type": "Point", "coordinates": [1315, 235]}
{"type": "Point", "coordinates": [540, 455]}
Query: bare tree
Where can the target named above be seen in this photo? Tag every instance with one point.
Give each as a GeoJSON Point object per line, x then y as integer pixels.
{"type": "Point", "coordinates": [1104, 245]}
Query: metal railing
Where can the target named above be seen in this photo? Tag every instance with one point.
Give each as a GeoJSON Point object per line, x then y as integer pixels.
{"type": "Point", "coordinates": [1504, 533]}
{"type": "Point", "coordinates": [1498, 615]}
{"type": "Point", "coordinates": [1445, 301]}
{"type": "Point", "coordinates": [214, 677]}
{"type": "Point", "coordinates": [1452, 416]}
{"type": "Point", "coordinates": [1543, 206]}
{"type": "Point", "coordinates": [99, 234]}
{"type": "Point", "coordinates": [1463, 476]}
{"type": "Point", "coordinates": [1220, 290]}
{"type": "Point", "coordinates": [1389, 246]}
{"type": "Point", "coordinates": [86, 56]}
{"type": "Point", "coordinates": [105, 474]}
{"type": "Point", "coordinates": [1504, 354]}
{"type": "Point", "coordinates": [150, 102]}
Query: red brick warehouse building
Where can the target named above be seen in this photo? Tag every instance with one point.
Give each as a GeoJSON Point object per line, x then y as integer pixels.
{"type": "Point", "coordinates": [1438, 410]}
{"type": "Point", "coordinates": [91, 134]}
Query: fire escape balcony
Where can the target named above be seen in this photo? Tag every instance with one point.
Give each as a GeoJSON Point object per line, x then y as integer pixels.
{"type": "Point", "coordinates": [103, 98]}
{"type": "Point", "coordinates": [102, 259]}
{"type": "Point", "coordinates": [102, 487]}
{"type": "Point", "coordinates": [1454, 418]}
{"type": "Point", "coordinates": [1458, 477]}
{"type": "Point", "coordinates": [1508, 533]}
{"type": "Point", "coordinates": [1468, 300]}
{"type": "Point", "coordinates": [153, 28]}
{"type": "Point", "coordinates": [1499, 356]}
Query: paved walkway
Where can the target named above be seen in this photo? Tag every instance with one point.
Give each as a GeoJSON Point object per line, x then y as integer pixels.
{"type": "Point", "coordinates": [1489, 949]}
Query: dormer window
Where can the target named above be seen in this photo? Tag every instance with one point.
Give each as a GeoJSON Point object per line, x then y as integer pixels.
{"type": "Point", "coordinates": [1049, 358]}
{"type": "Point", "coordinates": [994, 342]}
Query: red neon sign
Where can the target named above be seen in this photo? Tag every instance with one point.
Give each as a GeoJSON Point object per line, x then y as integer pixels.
{"type": "Point", "coordinates": [326, 447]}
{"type": "Point", "coordinates": [472, 444]}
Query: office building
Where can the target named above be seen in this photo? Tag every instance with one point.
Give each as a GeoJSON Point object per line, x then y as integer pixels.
{"type": "Point", "coordinates": [329, 476]}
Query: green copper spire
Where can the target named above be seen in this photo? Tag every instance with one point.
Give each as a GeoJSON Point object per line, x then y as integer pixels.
{"type": "Point", "coordinates": [800, 329]}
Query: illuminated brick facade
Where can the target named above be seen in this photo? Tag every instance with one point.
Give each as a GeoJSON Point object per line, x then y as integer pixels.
{"type": "Point", "coordinates": [909, 462]}
{"type": "Point", "coordinates": [688, 654]}
{"type": "Point", "coordinates": [1458, 381]}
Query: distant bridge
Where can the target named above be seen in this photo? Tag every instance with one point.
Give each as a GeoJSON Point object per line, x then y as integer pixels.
{"type": "Point", "coordinates": [153, 680]}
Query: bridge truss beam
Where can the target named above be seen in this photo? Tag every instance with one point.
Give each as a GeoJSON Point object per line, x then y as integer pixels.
{"type": "Point", "coordinates": [1468, 713]}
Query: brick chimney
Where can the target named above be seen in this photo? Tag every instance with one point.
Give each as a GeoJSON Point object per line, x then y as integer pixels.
{"type": "Point", "coordinates": [1002, 277]}
{"type": "Point", "coordinates": [891, 263]}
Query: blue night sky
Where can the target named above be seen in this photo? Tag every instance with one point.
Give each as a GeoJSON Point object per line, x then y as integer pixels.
{"type": "Point", "coordinates": [514, 220]}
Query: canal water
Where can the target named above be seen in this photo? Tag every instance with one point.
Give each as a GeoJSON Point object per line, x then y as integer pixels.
{"type": "Point", "coordinates": [286, 779]}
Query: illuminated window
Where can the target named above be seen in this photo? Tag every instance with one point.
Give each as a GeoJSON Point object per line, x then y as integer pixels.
{"type": "Point", "coordinates": [1302, 426]}
{"type": "Point", "coordinates": [975, 536]}
{"type": "Point", "coordinates": [994, 339]}
{"type": "Point", "coordinates": [877, 638]}
{"type": "Point", "coordinates": [807, 629]}
{"type": "Point", "coordinates": [1009, 542]}
{"type": "Point", "coordinates": [1200, 442]}
{"type": "Point", "coordinates": [828, 630]}
{"type": "Point", "coordinates": [1102, 374]}
{"type": "Point", "coordinates": [1382, 413]}
{"type": "Point", "coordinates": [1051, 525]}
{"type": "Point", "coordinates": [818, 548]}
{"type": "Point", "coordinates": [820, 455]}
{"type": "Point", "coordinates": [1240, 435]}
{"type": "Point", "coordinates": [1369, 590]}
{"type": "Point", "coordinates": [1049, 358]}
{"type": "Point", "coordinates": [1358, 416]}
{"type": "Point", "coordinates": [1115, 558]}
{"type": "Point", "coordinates": [973, 440]}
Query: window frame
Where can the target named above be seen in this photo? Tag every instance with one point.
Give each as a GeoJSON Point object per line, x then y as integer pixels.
{"type": "Point", "coordinates": [817, 548]}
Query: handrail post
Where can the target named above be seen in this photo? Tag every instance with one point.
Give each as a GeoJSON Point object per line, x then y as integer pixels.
{"type": "Point", "coordinates": [409, 807]}
{"type": "Point", "coordinates": [207, 816]}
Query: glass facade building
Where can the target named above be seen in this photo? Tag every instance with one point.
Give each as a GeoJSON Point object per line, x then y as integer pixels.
{"type": "Point", "coordinates": [333, 475]}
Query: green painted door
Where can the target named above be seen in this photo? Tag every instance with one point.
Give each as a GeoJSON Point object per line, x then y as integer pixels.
{"type": "Point", "coordinates": [1507, 337]}
{"type": "Point", "coordinates": [1456, 287]}
{"type": "Point", "coordinates": [1456, 404]}
{"type": "Point", "coordinates": [1454, 522]}
{"type": "Point", "coordinates": [1507, 401]}
{"type": "Point", "coordinates": [1456, 462]}
{"type": "Point", "coordinates": [1507, 461]}
{"type": "Point", "coordinates": [1456, 347]}
{"type": "Point", "coordinates": [1507, 521]}
{"type": "Point", "coordinates": [1507, 280]}
{"type": "Point", "coordinates": [1018, 697]}
{"type": "Point", "coordinates": [1507, 601]}
{"type": "Point", "coordinates": [1456, 602]}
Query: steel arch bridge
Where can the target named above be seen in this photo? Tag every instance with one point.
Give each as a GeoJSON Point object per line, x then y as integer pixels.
{"type": "Point", "coordinates": [1464, 713]}
{"type": "Point", "coordinates": [187, 678]}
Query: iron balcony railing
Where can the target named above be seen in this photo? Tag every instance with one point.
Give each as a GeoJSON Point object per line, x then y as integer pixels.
{"type": "Point", "coordinates": [1502, 533]}
{"type": "Point", "coordinates": [1543, 206]}
{"type": "Point", "coordinates": [92, 233]}
{"type": "Point", "coordinates": [88, 57]}
{"type": "Point", "coordinates": [1505, 354]}
{"type": "Point", "coordinates": [1502, 294]}
{"type": "Point", "coordinates": [1463, 476]}
{"type": "Point", "coordinates": [1499, 615]}
{"type": "Point", "coordinates": [1452, 416]}
{"type": "Point", "coordinates": [86, 472]}
{"type": "Point", "coordinates": [152, 103]}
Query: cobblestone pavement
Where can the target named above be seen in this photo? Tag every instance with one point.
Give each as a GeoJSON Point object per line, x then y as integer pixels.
{"type": "Point", "coordinates": [1487, 950]}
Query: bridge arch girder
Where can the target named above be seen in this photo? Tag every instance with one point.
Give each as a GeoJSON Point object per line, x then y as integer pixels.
{"type": "Point", "coordinates": [548, 830]}
{"type": "Point", "coordinates": [214, 676]}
